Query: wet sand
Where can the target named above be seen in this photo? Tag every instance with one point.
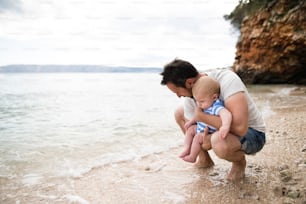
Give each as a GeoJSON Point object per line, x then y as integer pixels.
{"type": "Point", "coordinates": [277, 174]}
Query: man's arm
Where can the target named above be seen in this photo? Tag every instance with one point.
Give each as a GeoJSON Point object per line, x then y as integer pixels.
{"type": "Point", "coordinates": [211, 120]}
{"type": "Point", "coordinates": [238, 106]}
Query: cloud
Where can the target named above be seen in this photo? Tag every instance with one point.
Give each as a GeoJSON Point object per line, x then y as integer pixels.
{"type": "Point", "coordinates": [10, 5]}
{"type": "Point", "coordinates": [115, 32]}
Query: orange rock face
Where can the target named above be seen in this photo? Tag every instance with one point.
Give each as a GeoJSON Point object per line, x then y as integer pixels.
{"type": "Point", "coordinates": [272, 44]}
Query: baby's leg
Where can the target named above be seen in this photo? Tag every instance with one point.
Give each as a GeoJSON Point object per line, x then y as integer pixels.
{"type": "Point", "coordinates": [195, 149]}
{"type": "Point", "coordinates": [191, 131]}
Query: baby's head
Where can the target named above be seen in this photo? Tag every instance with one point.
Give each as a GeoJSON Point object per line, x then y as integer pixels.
{"type": "Point", "coordinates": [205, 91]}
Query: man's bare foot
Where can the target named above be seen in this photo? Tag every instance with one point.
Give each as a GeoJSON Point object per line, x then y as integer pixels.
{"type": "Point", "coordinates": [237, 170]}
{"type": "Point", "coordinates": [204, 160]}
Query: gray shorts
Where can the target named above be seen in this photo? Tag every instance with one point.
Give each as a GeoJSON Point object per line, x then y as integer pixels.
{"type": "Point", "coordinates": [253, 141]}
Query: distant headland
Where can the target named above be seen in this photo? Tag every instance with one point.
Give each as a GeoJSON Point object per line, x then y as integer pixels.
{"type": "Point", "coordinates": [75, 68]}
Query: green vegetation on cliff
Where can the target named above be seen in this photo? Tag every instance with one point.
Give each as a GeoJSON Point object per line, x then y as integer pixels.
{"type": "Point", "coordinates": [247, 8]}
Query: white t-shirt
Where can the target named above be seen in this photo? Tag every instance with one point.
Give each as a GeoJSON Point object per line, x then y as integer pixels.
{"type": "Point", "coordinates": [230, 84]}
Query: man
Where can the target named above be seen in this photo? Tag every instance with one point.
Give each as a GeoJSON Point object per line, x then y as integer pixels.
{"type": "Point", "coordinates": [247, 133]}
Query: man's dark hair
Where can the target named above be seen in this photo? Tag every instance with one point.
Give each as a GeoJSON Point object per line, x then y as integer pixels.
{"type": "Point", "coordinates": [177, 72]}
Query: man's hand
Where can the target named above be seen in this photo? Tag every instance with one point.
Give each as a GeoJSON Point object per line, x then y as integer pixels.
{"type": "Point", "coordinates": [189, 124]}
{"type": "Point", "coordinates": [206, 145]}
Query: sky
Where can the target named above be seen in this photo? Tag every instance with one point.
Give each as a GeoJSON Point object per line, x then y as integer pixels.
{"type": "Point", "coordinates": [140, 33]}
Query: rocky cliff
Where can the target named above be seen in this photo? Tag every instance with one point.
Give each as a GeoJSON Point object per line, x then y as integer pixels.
{"type": "Point", "coordinates": [272, 44]}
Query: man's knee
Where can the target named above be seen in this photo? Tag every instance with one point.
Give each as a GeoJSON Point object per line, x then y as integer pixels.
{"type": "Point", "coordinates": [179, 114]}
{"type": "Point", "coordinates": [179, 118]}
{"type": "Point", "coordinates": [220, 147]}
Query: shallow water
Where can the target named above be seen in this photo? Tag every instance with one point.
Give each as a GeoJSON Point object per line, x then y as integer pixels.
{"type": "Point", "coordinates": [66, 124]}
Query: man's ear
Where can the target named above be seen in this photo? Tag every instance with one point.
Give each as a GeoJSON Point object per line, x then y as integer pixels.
{"type": "Point", "coordinates": [215, 96]}
{"type": "Point", "coordinates": [189, 83]}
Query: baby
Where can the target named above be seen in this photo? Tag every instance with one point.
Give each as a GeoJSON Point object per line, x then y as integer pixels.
{"type": "Point", "coordinates": [206, 93]}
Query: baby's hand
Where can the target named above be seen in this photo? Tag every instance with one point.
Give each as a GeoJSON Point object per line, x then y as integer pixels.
{"type": "Point", "coordinates": [223, 131]}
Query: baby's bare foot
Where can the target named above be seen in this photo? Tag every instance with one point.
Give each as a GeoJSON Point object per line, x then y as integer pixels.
{"type": "Point", "coordinates": [189, 159]}
{"type": "Point", "coordinates": [184, 153]}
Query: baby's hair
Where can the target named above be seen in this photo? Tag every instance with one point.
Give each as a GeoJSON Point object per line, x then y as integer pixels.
{"type": "Point", "coordinates": [206, 85]}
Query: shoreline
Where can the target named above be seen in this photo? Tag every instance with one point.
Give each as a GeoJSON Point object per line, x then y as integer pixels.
{"type": "Point", "coordinates": [274, 175]}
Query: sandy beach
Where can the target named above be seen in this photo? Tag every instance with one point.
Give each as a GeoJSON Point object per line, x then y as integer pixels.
{"type": "Point", "coordinates": [274, 175]}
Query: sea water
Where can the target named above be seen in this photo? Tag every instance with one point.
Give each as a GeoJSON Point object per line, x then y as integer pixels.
{"type": "Point", "coordinates": [65, 124]}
